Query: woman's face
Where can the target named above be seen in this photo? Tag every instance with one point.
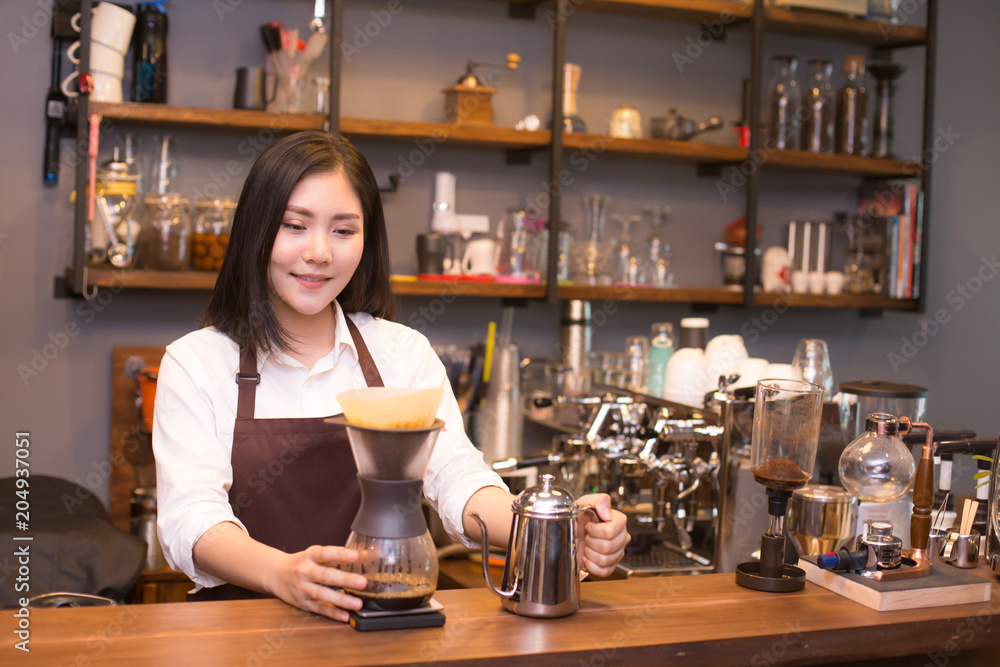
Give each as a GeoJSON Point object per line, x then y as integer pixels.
{"type": "Point", "coordinates": [317, 248]}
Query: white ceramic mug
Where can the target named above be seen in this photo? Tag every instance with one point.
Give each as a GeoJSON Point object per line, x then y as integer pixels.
{"type": "Point", "coordinates": [480, 258]}
{"type": "Point", "coordinates": [834, 282]}
{"type": "Point", "coordinates": [110, 25]}
{"type": "Point", "coordinates": [102, 58]}
{"type": "Point", "coordinates": [106, 88]}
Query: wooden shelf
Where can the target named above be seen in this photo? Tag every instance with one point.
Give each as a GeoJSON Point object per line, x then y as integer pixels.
{"type": "Point", "coordinates": [827, 25]}
{"type": "Point", "coordinates": [714, 295]}
{"type": "Point", "coordinates": [178, 116]}
{"type": "Point", "coordinates": [864, 301]}
{"type": "Point", "coordinates": [679, 150]}
{"type": "Point", "coordinates": [454, 133]}
{"type": "Point", "coordinates": [846, 164]}
{"type": "Point", "coordinates": [435, 288]}
{"type": "Point", "coordinates": [463, 134]}
{"type": "Point", "coordinates": [675, 10]}
{"type": "Point", "coordinates": [205, 280]}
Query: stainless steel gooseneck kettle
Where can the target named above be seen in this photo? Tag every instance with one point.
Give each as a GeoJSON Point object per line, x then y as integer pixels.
{"type": "Point", "coordinates": [541, 577]}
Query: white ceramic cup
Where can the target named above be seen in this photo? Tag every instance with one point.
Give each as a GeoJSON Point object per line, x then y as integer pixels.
{"type": "Point", "coordinates": [102, 58]}
{"type": "Point", "coordinates": [834, 282]}
{"type": "Point", "coordinates": [800, 282]}
{"type": "Point", "coordinates": [106, 88]}
{"type": "Point", "coordinates": [110, 25]}
{"type": "Point", "coordinates": [817, 282]}
{"type": "Point", "coordinates": [480, 258]}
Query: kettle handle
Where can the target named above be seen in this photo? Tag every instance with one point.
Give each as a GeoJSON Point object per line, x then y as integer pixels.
{"type": "Point", "coordinates": [597, 517]}
{"type": "Point", "coordinates": [486, 560]}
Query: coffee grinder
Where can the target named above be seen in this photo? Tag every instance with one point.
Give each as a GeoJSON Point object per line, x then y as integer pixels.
{"type": "Point", "coordinates": [397, 553]}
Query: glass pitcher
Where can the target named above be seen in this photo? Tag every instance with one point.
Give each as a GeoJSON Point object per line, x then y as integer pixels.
{"type": "Point", "coordinates": [514, 235]}
{"type": "Point", "coordinates": [591, 252]}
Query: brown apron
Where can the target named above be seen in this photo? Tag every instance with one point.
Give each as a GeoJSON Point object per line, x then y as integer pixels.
{"type": "Point", "coordinates": [294, 480]}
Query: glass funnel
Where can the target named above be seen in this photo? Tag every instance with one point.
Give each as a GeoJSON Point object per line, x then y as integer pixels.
{"type": "Point", "coordinates": [786, 425]}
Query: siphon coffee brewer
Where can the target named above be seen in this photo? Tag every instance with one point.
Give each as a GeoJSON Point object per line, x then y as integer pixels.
{"type": "Point", "coordinates": [392, 434]}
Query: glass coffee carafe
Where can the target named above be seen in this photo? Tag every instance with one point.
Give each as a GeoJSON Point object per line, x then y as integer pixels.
{"type": "Point", "coordinates": [397, 553]}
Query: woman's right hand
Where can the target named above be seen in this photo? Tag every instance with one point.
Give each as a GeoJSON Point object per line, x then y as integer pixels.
{"type": "Point", "coordinates": [310, 580]}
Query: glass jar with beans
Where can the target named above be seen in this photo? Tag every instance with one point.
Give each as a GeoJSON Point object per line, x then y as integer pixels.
{"type": "Point", "coordinates": [213, 218]}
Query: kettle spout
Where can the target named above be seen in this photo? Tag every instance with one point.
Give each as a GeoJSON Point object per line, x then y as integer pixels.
{"type": "Point", "coordinates": [486, 560]}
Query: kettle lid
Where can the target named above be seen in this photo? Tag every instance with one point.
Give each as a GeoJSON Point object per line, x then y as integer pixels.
{"type": "Point", "coordinates": [545, 501]}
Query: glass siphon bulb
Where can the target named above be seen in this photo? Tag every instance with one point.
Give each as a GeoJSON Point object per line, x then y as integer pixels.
{"type": "Point", "coordinates": [877, 466]}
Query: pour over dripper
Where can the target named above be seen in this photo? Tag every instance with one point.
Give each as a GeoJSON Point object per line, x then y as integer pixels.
{"type": "Point", "coordinates": [786, 421]}
{"type": "Point", "coordinates": [397, 553]}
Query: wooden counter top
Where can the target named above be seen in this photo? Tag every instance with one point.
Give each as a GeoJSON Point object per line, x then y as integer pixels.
{"type": "Point", "coordinates": [706, 620]}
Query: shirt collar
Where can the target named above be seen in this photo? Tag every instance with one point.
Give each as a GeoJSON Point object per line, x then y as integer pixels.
{"type": "Point", "coordinates": [341, 340]}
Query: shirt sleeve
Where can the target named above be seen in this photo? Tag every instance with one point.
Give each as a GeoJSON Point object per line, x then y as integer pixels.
{"type": "Point", "coordinates": [456, 469]}
{"type": "Point", "coordinates": [193, 466]}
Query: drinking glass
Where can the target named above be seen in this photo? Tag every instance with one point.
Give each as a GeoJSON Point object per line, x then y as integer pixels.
{"type": "Point", "coordinates": [591, 252]}
{"type": "Point", "coordinates": [634, 362]}
{"type": "Point", "coordinates": [812, 360]}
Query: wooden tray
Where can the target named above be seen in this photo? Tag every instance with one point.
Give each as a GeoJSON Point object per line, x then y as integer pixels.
{"type": "Point", "coordinates": [945, 585]}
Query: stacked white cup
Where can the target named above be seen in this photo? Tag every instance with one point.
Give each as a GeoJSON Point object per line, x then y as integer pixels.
{"type": "Point", "coordinates": [111, 34]}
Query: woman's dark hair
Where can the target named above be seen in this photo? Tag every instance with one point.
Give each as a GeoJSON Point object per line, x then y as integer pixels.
{"type": "Point", "coordinates": [241, 303]}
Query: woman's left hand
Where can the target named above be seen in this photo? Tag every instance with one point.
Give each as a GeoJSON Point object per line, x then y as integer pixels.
{"type": "Point", "coordinates": [605, 541]}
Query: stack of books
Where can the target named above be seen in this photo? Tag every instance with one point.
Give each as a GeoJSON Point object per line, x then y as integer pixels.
{"type": "Point", "coordinates": [895, 208]}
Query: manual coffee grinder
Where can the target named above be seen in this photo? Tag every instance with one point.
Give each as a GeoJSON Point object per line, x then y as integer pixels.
{"type": "Point", "coordinates": [397, 553]}
{"type": "Point", "coordinates": [784, 440]}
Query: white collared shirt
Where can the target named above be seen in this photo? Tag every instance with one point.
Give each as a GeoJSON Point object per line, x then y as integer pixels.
{"type": "Point", "coordinates": [195, 413]}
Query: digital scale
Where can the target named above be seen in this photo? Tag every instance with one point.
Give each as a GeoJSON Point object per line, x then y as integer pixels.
{"type": "Point", "coordinates": [429, 615]}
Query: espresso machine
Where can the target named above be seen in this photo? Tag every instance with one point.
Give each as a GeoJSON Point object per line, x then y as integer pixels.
{"type": "Point", "coordinates": [659, 461]}
{"type": "Point", "coordinates": [993, 514]}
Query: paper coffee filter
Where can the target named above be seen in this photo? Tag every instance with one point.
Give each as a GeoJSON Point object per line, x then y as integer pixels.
{"type": "Point", "coordinates": [391, 407]}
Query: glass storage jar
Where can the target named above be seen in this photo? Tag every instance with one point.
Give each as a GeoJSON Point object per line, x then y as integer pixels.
{"type": "Point", "coordinates": [166, 232]}
{"type": "Point", "coordinates": [212, 220]}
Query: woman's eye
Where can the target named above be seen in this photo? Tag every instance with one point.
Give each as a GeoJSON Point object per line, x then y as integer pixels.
{"type": "Point", "coordinates": [346, 232]}
{"type": "Point", "coordinates": [292, 226]}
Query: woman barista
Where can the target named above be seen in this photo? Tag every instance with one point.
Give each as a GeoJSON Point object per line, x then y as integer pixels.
{"type": "Point", "coordinates": [255, 489]}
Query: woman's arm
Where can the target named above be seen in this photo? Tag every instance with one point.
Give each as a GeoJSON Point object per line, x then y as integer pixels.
{"type": "Point", "coordinates": [302, 579]}
{"type": "Point", "coordinates": [603, 546]}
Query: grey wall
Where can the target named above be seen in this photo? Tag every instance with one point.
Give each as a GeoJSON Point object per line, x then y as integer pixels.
{"type": "Point", "coordinates": [399, 75]}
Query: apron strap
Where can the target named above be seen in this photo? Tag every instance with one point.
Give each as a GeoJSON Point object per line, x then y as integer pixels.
{"type": "Point", "coordinates": [372, 376]}
{"type": "Point", "coordinates": [248, 377]}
